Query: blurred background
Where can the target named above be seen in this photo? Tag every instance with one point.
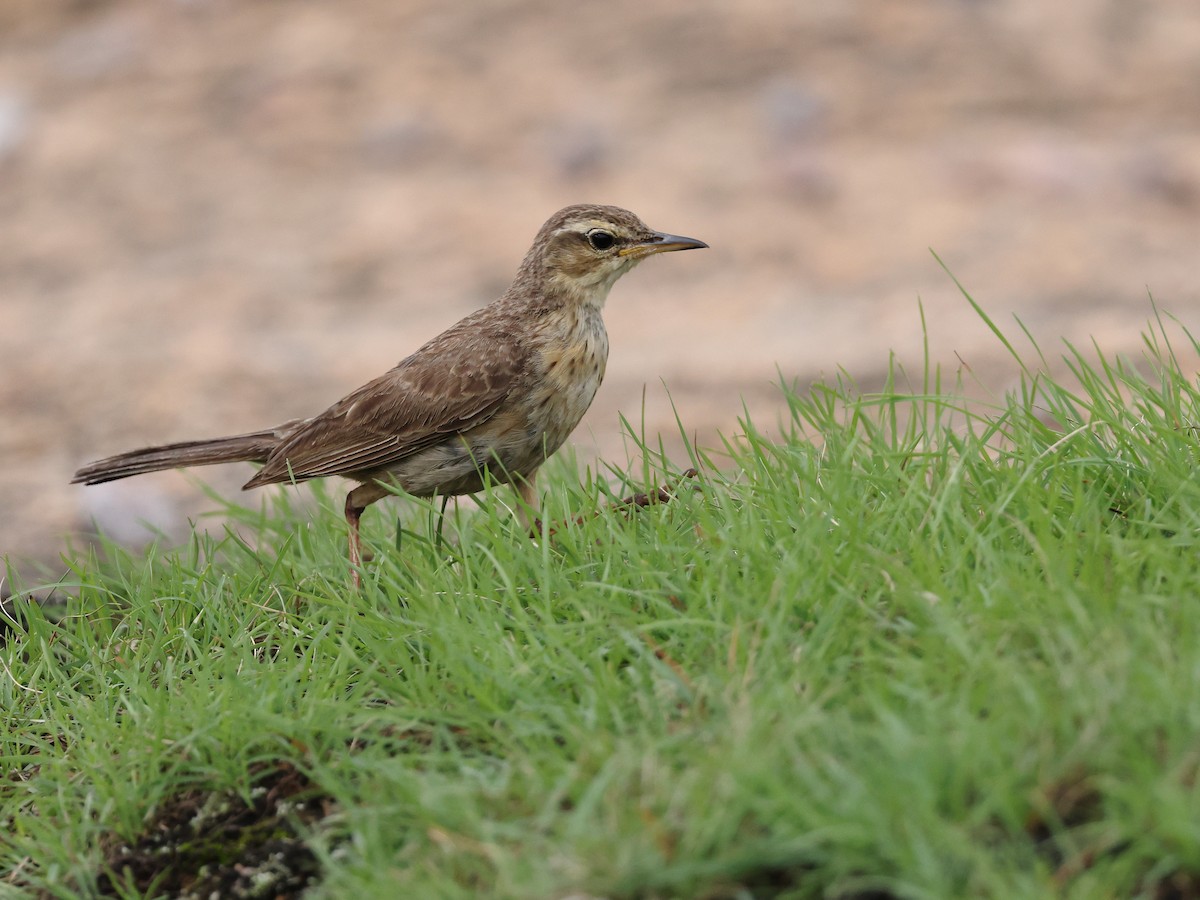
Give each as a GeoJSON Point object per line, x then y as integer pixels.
{"type": "Point", "coordinates": [216, 215]}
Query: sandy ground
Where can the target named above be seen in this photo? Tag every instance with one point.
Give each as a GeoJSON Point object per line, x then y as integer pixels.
{"type": "Point", "coordinates": [216, 215]}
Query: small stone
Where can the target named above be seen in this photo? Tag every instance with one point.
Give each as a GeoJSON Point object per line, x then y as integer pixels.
{"type": "Point", "coordinates": [398, 140]}
{"type": "Point", "coordinates": [14, 122]}
{"type": "Point", "coordinates": [579, 150]}
{"type": "Point", "coordinates": [792, 110]}
{"type": "Point", "coordinates": [98, 49]}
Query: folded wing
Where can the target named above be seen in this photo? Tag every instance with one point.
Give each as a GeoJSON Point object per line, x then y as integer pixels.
{"type": "Point", "coordinates": [454, 383]}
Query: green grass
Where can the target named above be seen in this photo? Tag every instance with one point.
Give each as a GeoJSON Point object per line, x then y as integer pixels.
{"type": "Point", "coordinates": [913, 647]}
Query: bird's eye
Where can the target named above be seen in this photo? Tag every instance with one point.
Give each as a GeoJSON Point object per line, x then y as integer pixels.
{"type": "Point", "coordinates": [600, 240]}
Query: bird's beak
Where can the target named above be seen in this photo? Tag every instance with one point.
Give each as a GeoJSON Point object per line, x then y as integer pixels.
{"type": "Point", "coordinates": [661, 243]}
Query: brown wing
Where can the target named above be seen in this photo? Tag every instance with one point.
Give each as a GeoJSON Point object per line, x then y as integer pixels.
{"type": "Point", "coordinates": [455, 382]}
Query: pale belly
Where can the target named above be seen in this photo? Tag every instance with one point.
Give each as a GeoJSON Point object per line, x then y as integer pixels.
{"type": "Point", "coordinates": [514, 443]}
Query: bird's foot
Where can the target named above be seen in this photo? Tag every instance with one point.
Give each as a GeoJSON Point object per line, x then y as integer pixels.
{"type": "Point", "coordinates": [663, 494]}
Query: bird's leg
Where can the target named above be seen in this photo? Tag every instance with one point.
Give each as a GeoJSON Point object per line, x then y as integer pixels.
{"type": "Point", "coordinates": [353, 515]}
{"type": "Point", "coordinates": [526, 489]}
{"type": "Point", "coordinates": [357, 501]}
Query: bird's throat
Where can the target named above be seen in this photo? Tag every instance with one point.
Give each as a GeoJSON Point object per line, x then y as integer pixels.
{"type": "Point", "coordinates": [588, 289]}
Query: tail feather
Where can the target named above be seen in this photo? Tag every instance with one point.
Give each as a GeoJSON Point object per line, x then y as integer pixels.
{"type": "Point", "coordinates": [253, 447]}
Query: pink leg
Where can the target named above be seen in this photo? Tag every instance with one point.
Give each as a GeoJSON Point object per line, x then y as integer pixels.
{"type": "Point", "coordinates": [353, 515]}
{"type": "Point", "coordinates": [527, 509]}
{"type": "Point", "coordinates": [357, 501]}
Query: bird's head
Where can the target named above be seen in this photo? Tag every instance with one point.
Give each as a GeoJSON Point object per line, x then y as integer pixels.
{"type": "Point", "coordinates": [582, 250]}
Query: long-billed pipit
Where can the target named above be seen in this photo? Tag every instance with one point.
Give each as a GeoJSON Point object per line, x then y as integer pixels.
{"type": "Point", "coordinates": [489, 398]}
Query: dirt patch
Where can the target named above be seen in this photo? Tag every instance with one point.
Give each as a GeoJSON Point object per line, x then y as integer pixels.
{"type": "Point", "coordinates": [201, 844]}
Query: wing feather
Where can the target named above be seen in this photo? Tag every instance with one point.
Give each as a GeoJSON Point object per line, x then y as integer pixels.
{"type": "Point", "coordinates": [455, 382]}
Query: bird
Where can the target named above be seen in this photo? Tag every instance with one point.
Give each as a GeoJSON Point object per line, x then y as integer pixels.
{"type": "Point", "coordinates": [487, 400]}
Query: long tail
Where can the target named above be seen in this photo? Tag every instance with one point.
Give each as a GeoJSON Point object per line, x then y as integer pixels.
{"type": "Point", "coordinates": [253, 447]}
